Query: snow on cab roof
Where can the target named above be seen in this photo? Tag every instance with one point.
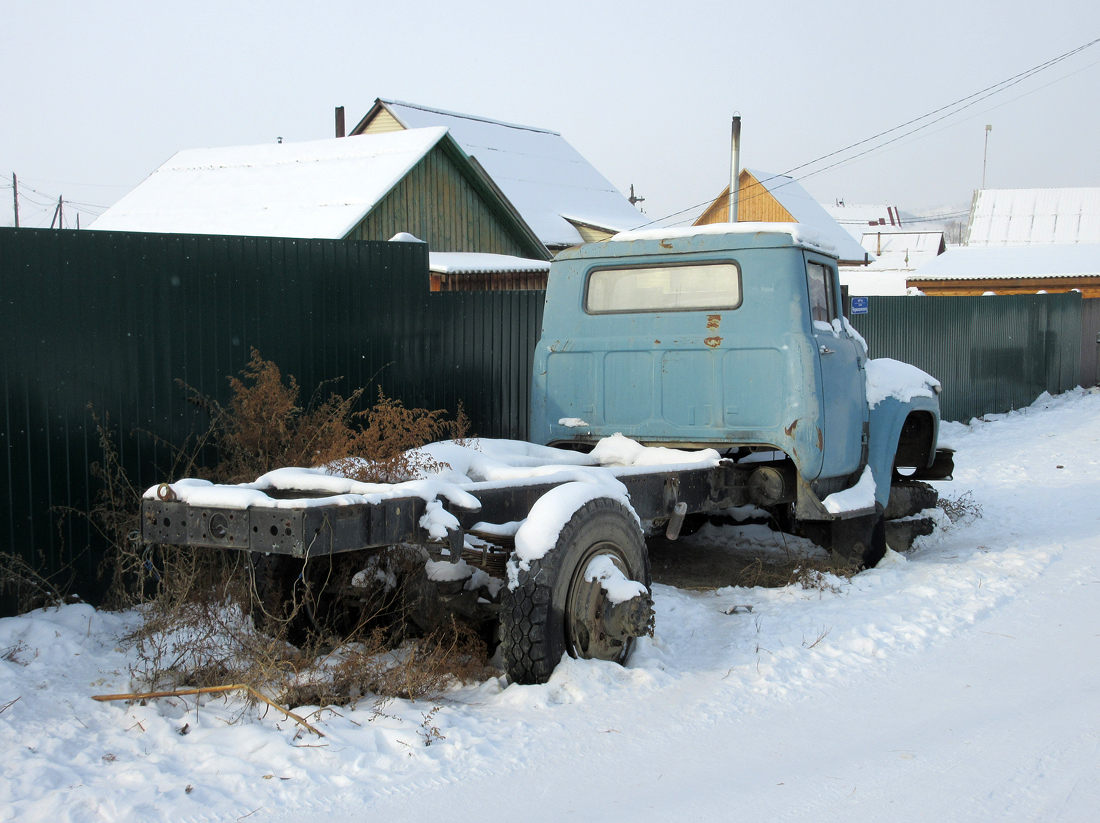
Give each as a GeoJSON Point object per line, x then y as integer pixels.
{"type": "Point", "coordinates": [1024, 217]}
{"type": "Point", "coordinates": [319, 188]}
{"type": "Point", "coordinates": [799, 234]}
{"type": "Point", "coordinates": [987, 262]}
{"type": "Point", "coordinates": [542, 175]}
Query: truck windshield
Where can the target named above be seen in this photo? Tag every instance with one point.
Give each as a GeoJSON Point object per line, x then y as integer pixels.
{"type": "Point", "coordinates": [664, 288]}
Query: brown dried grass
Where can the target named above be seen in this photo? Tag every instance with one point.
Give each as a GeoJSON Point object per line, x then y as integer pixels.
{"type": "Point", "coordinates": [209, 621]}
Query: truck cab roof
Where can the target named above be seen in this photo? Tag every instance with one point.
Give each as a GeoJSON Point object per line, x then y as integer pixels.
{"type": "Point", "coordinates": [713, 237]}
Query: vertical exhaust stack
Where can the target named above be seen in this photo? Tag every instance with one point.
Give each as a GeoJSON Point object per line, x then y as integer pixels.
{"type": "Point", "coordinates": [339, 121]}
{"type": "Point", "coordinates": [735, 168]}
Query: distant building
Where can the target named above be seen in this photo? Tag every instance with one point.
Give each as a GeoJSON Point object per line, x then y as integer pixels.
{"type": "Point", "coordinates": [560, 195]}
{"type": "Point", "coordinates": [356, 188]}
{"type": "Point", "coordinates": [897, 256]}
{"type": "Point", "coordinates": [1022, 241]}
{"type": "Point", "coordinates": [456, 271]}
{"type": "Point", "coordinates": [969, 270]}
{"type": "Point", "coordinates": [1034, 217]}
{"type": "Point", "coordinates": [777, 198]}
{"type": "Point", "coordinates": [859, 219]}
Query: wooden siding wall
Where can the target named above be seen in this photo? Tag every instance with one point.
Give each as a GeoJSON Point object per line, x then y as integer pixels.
{"type": "Point", "coordinates": [438, 205]}
{"type": "Point", "coordinates": [1088, 286]}
{"type": "Point", "coordinates": [755, 204]}
{"type": "Point", "coordinates": [382, 123]}
{"type": "Point", "coordinates": [489, 281]}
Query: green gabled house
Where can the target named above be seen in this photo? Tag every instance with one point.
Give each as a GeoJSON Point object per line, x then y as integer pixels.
{"type": "Point", "coordinates": [367, 187]}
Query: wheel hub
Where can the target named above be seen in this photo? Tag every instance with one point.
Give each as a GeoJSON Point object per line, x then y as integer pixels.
{"type": "Point", "coordinates": [597, 628]}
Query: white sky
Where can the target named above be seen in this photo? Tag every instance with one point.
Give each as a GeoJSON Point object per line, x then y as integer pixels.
{"type": "Point", "coordinates": [97, 95]}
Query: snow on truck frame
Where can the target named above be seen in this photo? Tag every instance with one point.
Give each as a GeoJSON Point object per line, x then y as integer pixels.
{"type": "Point", "coordinates": [681, 373]}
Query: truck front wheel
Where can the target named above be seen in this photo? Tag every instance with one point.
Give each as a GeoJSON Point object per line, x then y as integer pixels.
{"type": "Point", "coordinates": [571, 600]}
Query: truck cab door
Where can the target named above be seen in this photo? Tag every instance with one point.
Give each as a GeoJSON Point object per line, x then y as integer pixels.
{"type": "Point", "coordinates": [843, 387]}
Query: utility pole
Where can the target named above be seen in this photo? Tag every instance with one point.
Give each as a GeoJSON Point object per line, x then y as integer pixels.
{"type": "Point", "coordinates": [634, 199]}
{"type": "Point", "coordinates": [985, 153]}
{"type": "Point", "coordinates": [15, 196]}
{"type": "Point", "coordinates": [58, 213]}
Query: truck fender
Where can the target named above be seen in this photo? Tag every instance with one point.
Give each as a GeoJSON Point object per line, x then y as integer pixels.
{"type": "Point", "coordinates": [887, 420]}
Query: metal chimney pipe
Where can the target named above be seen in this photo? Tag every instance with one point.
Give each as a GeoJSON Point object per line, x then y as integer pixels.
{"type": "Point", "coordinates": [735, 168]}
{"type": "Point", "coordinates": [339, 121]}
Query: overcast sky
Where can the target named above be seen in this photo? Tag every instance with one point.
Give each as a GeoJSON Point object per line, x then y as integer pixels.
{"type": "Point", "coordinates": [97, 95]}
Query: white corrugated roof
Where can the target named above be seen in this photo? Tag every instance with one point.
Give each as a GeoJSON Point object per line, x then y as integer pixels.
{"type": "Point", "coordinates": [539, 172]}
{"type": "Point", "coordinates": [981, 262]}
{"type": "Point", "coordinates": [901, 250]}
{"type": "Point", "coordinates": [476, 263]}
{"type": "Point", "coordinates": [1024, 217]}
{"type": "Point", "coordinates": [320, 188]}
{"type": "Point", "coordinates": [808, 212]}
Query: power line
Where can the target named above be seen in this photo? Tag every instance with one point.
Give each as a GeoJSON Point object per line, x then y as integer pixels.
{"type": "Point", "coordinates": [957, 106]}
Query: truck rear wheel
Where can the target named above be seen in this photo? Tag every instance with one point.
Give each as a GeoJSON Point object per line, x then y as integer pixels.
{"type": "Point", "coordinates": [555, 608]}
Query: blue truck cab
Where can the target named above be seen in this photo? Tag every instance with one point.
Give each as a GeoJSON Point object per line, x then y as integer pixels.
{"type": "Point", "coordinates": [728, 336]}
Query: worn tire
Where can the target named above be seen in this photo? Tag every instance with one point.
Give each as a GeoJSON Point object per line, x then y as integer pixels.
{"type": "Point", "coordinates": [535, 630]}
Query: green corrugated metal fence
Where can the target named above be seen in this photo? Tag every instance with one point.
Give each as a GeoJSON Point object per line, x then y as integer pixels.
{"type": "Point", "coordinates": [992, 354]}
{"type": "Point", "coordinates": [112, 320]}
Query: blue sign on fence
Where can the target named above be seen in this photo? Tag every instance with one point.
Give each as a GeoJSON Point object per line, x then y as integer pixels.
{"type": "Point", "coordinates": [859, 305]}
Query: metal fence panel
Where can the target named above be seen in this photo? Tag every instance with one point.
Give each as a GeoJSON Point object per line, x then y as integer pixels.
{"type": "Point", "coordinates": [108, 322]}
{"type": "Point", "coordinates": [1090, 341]}
{"type": "Point", "coordinates": [992, 354]}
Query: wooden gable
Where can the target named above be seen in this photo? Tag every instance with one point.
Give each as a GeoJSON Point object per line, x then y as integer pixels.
{"type": "Point", "coordinates": [755, 204]}
{"type": "Point", "coordinates": [378, 120]}
{"type": "Point", "coordinates": [445, 201]}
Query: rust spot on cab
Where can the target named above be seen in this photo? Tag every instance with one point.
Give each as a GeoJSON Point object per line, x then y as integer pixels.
{"type": "Point", "coordinates": [713, 322]}
{"type": "Point", "coordinates": [656, 342]}
{"type": "Point", "coordinates": [713, 342]}
{"type": "Point", "coordinates": [820, 441]}
{"type": "Point", "coordinates": [790, 429]}
{"type": "Point", "coordinates": [665, 244]}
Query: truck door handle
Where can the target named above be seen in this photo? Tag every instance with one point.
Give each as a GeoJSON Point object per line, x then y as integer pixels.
{"type": "Point", "coordinates": [825, 350]}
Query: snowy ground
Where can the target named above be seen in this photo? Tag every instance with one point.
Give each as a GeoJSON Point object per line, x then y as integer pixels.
{"type": "Point", "coordinates": [959, 682]}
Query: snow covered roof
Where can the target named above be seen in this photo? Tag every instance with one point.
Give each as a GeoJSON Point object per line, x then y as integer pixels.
{"type": "Point", "coordinates": [472, 263]}
{"type": "Point", "coordinates": [808, 212]}
{"type": "Point", "coordinates": [537, 170]}
{"type": "Point", "coordinates": [319, 188]}
{"type": "Point", "coordinates": [863, 281]}
{"type": "Point", "coordinates": [1023, 217]}
{"type": "Point", "coordinates": [902, 250]}
{"type": "Point", "coordinates": [1004, 262]}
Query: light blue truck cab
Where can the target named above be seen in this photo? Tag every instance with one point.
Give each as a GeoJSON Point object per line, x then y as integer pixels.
{"type": "Point", "coordinates": [729, 336]}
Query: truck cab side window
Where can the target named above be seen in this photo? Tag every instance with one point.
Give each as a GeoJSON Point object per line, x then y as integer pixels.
{"type": "Point", "coordinates": [822, 300]}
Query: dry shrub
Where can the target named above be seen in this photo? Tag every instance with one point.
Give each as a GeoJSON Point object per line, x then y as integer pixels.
{"type": "Point", "coordinates": [819, 575]}
{"type": "Point", "coordinates": [265, 428]}
{"type": "Point", "coordinates": [963, 508]}
{"type": "Point", "coordinates": [30, 588]}
{"type": "Point", "coordinates": [301, 631]}
{"type": "Point", "coordinates": [418, 668]}
{"type": "Point", "coordinates": [205, 632]}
